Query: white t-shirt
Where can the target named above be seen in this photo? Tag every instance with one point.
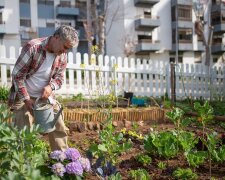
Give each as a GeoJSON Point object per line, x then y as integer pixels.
{"type": "Point", "coordinates": [40, 78]}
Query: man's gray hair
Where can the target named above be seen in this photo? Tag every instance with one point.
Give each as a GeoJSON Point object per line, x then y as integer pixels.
{"type": "Point", "coordinates": [68, 34]}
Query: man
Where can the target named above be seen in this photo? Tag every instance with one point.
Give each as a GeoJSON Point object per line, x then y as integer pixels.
{"type": "Point", "coordinates": [39, 70]}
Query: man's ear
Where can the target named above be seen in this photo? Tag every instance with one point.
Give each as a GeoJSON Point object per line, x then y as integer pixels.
{"type": "Point", "coordinates": [57, 36]}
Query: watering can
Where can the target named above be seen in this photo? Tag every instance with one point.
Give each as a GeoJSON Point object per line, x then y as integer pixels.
{"type": "Point", "coordinates": [45, 116]}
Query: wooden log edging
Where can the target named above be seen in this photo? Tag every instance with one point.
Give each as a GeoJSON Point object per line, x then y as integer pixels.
{"type": "Point", "coordinates": [118, 114]}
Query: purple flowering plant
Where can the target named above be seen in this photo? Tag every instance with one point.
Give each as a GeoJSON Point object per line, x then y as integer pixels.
{"type": "Point", "coordinates": [69, 164]}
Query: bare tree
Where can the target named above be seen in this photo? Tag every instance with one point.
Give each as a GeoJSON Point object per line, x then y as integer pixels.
{"type": "Point", "coordinates": [95, 26]}
{"type": "Point", "coordinates": [203, 26]}
{"type": "Point", "coordinates": [129, 45]}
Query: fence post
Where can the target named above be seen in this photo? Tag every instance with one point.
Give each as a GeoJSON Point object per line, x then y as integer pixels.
{"type": "Point", "coordinates": [173, 83]}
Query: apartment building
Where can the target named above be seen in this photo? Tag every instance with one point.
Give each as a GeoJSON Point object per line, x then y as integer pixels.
{"type": "Point", "coordinates": [155, 29]}
{"type": "Point", "coordinates": [163, 30]}
{"type": "Point", "coordinates": [22, 20]}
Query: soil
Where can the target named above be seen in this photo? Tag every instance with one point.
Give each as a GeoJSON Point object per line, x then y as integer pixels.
{"type": "Point", "coordinates": [82, 140]}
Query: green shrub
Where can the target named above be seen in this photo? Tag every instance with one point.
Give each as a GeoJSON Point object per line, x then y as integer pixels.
{"type": "Point", "coordinates": [22, 153]}
{"type": "Point", "coordinates": [4, 93]}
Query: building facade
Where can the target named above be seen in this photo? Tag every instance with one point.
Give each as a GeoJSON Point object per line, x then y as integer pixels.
{"type": "Point", "coordinates": [151, 29]}
{"type": "Point", "coordinates": [164, 30]}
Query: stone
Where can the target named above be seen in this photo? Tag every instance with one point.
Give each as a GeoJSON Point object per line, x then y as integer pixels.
{"type": "Point", "coordinates": [127, 124]}
{"type": "Point", "coordinates": [96, 126]}
{"type": "Point", "coordinates": [114, 123]}
{"type": "Point", "coordinates": [81, 127]}
{"type": "Point", "coordinates": [72, 126]}
{"type": "Point", "coordinates": [141, 123]}
{"type": "Point", "coordinates": [90, 125]}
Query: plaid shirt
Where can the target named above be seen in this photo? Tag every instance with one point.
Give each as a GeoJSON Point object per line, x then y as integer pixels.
{"type": "Point", "coordinates": [31, 58]}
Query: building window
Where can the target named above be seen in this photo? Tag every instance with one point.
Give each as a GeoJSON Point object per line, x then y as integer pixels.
{"type": "Point", "coordinates": [217, 39]}
{"type": "Point", "coordinates": [25, 1]}
{"type": "Point", "coordinates": [66, 23]}
{"type": "Point", "coordinates": [25, 22]}
{"type": "Point", "coordinates": [147, 14]}
{"type": "Point", "coordinates": [46, 2]}
{"type": "Point", "coordinates": [65, 4]}
{"type": "Point", "coordinates": [50, 25]}
{"type": "Point", "coordinates": [185, 13]}
{"type": "Point", "coordinates": [216, 18]}
{"type": "Point", "coordinates": [144, 38]}
{"type": "Point", "coordinates": [185, 35]}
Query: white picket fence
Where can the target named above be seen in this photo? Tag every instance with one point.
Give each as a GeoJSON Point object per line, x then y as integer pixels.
{"type": "Point", "coordinates": [102, 75]}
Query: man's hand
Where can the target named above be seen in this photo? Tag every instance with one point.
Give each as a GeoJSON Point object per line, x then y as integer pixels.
{"type": "Point", "coordinates": [47, 91]}
{"type": "Point", "coordinates": [29, 103]}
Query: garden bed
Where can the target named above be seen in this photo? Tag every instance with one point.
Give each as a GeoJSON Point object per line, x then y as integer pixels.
{"type": "Point", "coordinates": [82, 141]}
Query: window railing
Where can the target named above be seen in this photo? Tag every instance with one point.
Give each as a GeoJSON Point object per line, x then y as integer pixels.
{"type": "Point", "coordinates": [66, 5]}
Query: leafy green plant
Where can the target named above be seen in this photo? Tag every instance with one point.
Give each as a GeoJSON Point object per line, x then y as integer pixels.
{"type": "Point", "coordinates": [117, 176]}
{"type": "Point", "coordinates": [177, 117]}
{"type": "Point", "coordinates": [148, 143]}
{"type": "Point", "coordinates": [214, 153]}
{"type": "Point", "coordinates": [187, 140]}
{"type": "Point", "coordinates": [22, 153]}
{"type": "Point", "coordinates": [163, 143]}
{"type": "Point", "coordinates": [184, 174]}
{"type": "Point", "coordinates": [139, 174]}
{"type": "Point", "coordinates": [144, 159]}
{"type": "Point", "coordinates": [4, 93]}
{"type": "Point", "coordinates": [205, 114]}
{"type": "Point", "coordinates": [111, 144]}
{"type": "Point", "coordinates": [78, 97]}
{"type": "Point", "coordinates": [5, 114]}
{"type": "Point", "coordinates": [135, 126]}
{"type": "Point", "coordinates": [161, 165]}
{"type": "Point", "coordinates": [196, 158]}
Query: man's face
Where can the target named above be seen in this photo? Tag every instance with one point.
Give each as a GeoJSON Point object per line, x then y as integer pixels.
{"type": "Point", "coordinates": [61, 46]}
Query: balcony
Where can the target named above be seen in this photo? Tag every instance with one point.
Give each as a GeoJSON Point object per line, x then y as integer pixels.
{"type": "Point", "coordinates": [218, 7]}
{"type": "Point", "coordinates": [145, 46]}
{"type": "Point", "coordinates": [218, 48]}
{"type": "Point", "coordinates": [199, 47]}
{"type": "Point", "coordinates": [219, 28]}
{"type": "Point", "coordinates": [66, 11]}
{"type": "Point", "coordinates": [181, 2]}
{"type": "Point", "coordinates": [147, 24]}
{"type": "Point", "coordinates": [145, 3]}
{"type": "Point", "coordinates": [183, 45]}
{"type": "Point", "coordinates": [182, 24]}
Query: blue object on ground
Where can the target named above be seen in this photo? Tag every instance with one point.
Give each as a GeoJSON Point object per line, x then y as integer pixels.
{"type": "Point", "coordinates": [138, 101]}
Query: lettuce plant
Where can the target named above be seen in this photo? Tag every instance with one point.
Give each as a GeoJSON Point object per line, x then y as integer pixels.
{"type": "Point", "coordinates": [184, 174]}
{"type": "Point", "coordinates": [139, 174]}
{"type": "Point", "coordinates": [144, 159]}
{"type": "Point", "coordinates": [162, 143]}
{"type": "Point", "coordinates": [196, 158]}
